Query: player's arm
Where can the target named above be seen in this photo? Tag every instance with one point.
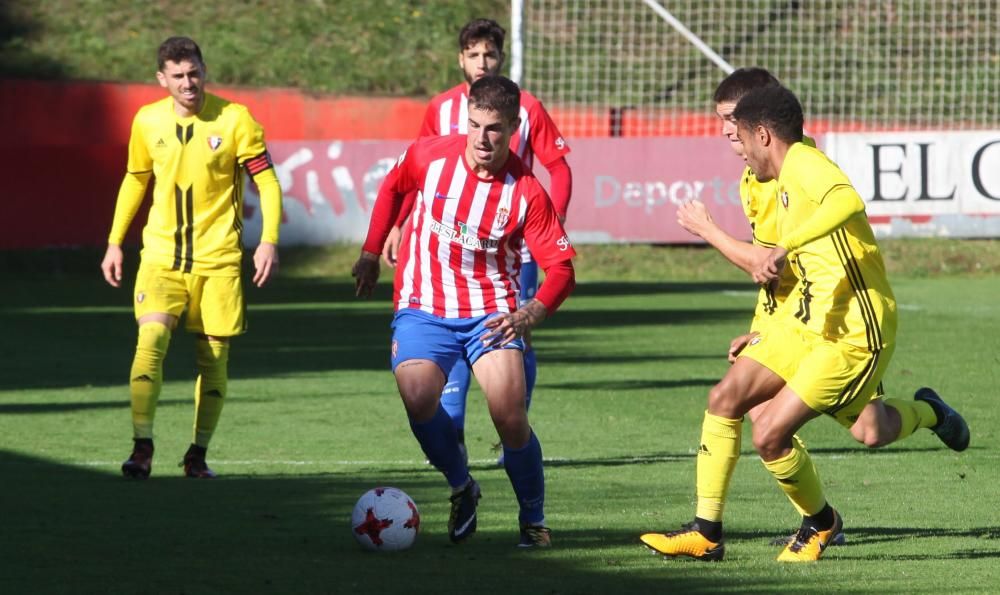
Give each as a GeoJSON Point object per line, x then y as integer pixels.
{"type": "Point", "coordinates": [265, 258]}
{"type": "Point", "coordinates": [388, 204]}
{"type": "Point", "coordinates": [390, 250]}
{"type": "Point", "coordinates": [551, 248]}
{"type": "Point", "coordinates": [561, 186]}
{"type": "Point", "coordinates": [836, 208]}
{"type": "Point", "coordinates": [252, 154]}
{"type": "Point", "coordinates": [560, 280]}
{"type": "Point", "coordinates": [137, 175]}
{"type": "Point", "coordinates": [551, 149]}
{"type": "Point", "coordinates": [695, 218]}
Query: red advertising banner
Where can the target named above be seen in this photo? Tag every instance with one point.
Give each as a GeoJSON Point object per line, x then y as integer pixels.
{"type": "Point", "coordinates": [628, 189]}
{"type": "Point", "coordinates": [624, 190]}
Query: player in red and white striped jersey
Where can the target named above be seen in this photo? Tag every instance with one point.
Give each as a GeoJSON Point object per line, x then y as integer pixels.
{"type": "Point", "coordinates": [481, 54]}
{"type": "Point", "coordinates": [462, 256]}
{"type": "Point", "coordinates": [456, 291]}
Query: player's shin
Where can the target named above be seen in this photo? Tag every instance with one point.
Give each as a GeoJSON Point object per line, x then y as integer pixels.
{"type": "Point", "coordinates": [913, 415]}
{"type": "Point", "coordinates": [524, 468]}
{"type": "Point", "coordinates": [439, 441]}
{"type": "Point", "coordinates": [212, 358]}
{"type": "Point", "coordinates": [718, 453]}
{"type": "Point", "coordinates": [146, 377]}
{"type": "Point", "coordinates": [798, 478]}
{"type": "Point", "coordinates": [455, 393]}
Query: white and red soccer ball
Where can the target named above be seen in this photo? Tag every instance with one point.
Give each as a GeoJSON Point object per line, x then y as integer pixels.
{"type": "Point", "coordinates": [385, 520]}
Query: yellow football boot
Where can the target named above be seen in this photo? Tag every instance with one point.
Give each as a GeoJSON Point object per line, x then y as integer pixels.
{"type": "Point", "coordinates": [810, 543]}
{"type": "Point", "coordinates": [686, 542]}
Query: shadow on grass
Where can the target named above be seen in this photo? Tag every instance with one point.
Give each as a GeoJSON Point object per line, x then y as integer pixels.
{"type": "Point", "coordinates": [69, 332]}
{"type": "Point", "coordinates": [71, 529]}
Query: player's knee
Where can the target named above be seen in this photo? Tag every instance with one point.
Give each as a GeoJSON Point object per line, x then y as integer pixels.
{"type": "Point", "coordinates": [724, 400]}
{"type": "Point", "coordinates": [154, 338]}
{"type": "Point", "coordinates": [871, 435]}
{"type": "Point", "coordinates": [513, 430]}
{"type": "Point", "coordinates": [767, 441]}
{"type": "Point", "coordinates": [420, 398]}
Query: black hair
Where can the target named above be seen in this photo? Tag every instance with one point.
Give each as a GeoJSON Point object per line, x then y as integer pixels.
{"type": "Point", "coordinates": [478, 30]}
{"type": "Point", "coordinates": [741, 81]}
{"type": "Point", "coordinates": [496, 94]}
{"type": "Point", "coordinates": [178, 49]}
{"type": "Point", "coordinates": [773, 107]}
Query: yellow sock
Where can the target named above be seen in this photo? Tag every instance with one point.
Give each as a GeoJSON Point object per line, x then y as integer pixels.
{"type": "Point", "coordinates": [146, 376]}
{"type": "Point", "coordinates": [212, 357]}
{"type": "Point", "coordinates": [913, 415]}
{"type": "Point", "coordinates": [798, 478]}
{"type": "Point", "coordinates": [718, 453]}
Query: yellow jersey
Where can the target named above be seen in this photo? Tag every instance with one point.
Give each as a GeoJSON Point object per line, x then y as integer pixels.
{"type": "Point", "coordinates": [195, 223]}
{"type": "Point", "coordinates": [759, 201]}
{"type": "Point", "coordinates": [843, 292]}
{"type": "Point", "coordinates": [760, 205]}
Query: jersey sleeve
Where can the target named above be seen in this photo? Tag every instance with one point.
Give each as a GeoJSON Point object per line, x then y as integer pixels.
{"type": "Point", "coordinates": [547, 143]}
{"type": "Point", "coordinates": [838, 206]}
{"type": "Point", "coordinates": [139, 170]}
{"type": "Point", "coordinates": [544, 234]}
{"type": "Point", "coordinates": [251, 153]}
{"type": "Point", "coordinates": [139, 159]}
{"type": "Point", "coordinates": [816, 174]}
{"type": "Point", "coordinates": [398, 183]}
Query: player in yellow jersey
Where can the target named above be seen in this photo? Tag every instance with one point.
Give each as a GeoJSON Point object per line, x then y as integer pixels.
{"type": "Point", "coordinates": [196, 145]}
{"type": "Point", "coordinates": [828, 346]}
{"type": "Point", "coordinates": [730, 395]}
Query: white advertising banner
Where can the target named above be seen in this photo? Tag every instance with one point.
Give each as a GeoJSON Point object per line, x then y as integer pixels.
{"type": "Point", "coordinates": [924, 183]}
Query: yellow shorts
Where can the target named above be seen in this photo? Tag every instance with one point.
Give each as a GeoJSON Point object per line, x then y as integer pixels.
{"type": "Point", "coordinates": [214, 304]}
{"type": "Point", "coordinates": [830, 377]}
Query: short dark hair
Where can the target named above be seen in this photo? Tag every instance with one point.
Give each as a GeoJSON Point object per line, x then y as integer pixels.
{"type": "Point", "coordinates": [478, 30]}
{"type": "Point", "coordinates": [773, 107]}
{"type": "Point", "coordinates": [496, 94]}
{"type": "Point", "coordinates": [741, 81]}
{"type": "Point", "coordinates": [177, 49]}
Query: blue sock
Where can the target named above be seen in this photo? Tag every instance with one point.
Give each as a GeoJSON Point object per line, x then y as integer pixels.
{"type": "Point", "coordinates": [454, 393]}
{"type": "Point", "coordinates": [439, 441]}
{"type": "Point", "coordinates": [524, 468]}
{"type": "Point", "coordinates": [530, 373]}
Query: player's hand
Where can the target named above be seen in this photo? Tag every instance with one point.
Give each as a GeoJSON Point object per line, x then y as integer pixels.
{"type": "Point", "coordinates": [507, 327]}
{"type": "Point", "coordinates": [770, 267]}
{"type": "Point", "coordinates": [365, 272]}
{"type": "Point", "coordinates": [265, 262]}
{"type": "Point", "coordinates": [695, 218]}
{"type": "Point", "coordinates": [736, 345]}
{"type": "Point", "coordinates": [111, 266]}
{"type": "Point", "coordinates": [390, 251]}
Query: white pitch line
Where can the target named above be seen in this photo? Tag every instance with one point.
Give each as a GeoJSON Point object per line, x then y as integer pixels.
{"type": "Point", "coordinates": [485, 462]}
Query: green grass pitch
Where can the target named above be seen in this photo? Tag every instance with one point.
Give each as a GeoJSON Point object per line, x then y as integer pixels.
{"type": "Point", "coordinates": [313, 420]}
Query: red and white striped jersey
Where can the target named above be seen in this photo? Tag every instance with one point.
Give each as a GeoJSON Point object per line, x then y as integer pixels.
{"type": "Point", "coordinates": [461, 257]}
{"type": "Point", "coordinates": [448, 113]}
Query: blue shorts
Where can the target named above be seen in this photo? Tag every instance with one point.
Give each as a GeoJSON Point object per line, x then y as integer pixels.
{"type": "Point", "coordinates": [419, 335]}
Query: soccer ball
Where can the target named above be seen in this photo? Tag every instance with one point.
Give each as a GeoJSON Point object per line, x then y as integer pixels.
{"type": "Point", "coordinates": [385, 520]}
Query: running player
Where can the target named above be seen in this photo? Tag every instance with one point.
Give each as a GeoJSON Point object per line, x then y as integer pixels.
{"type": "Point", "coordinates": [826, 350]}
{"type": "Point", "coordinates": [196, 145]}
{"type": "Point", "coordinates": [480, 45]}
{"type": "Point", "coordinates": [456, 293]}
